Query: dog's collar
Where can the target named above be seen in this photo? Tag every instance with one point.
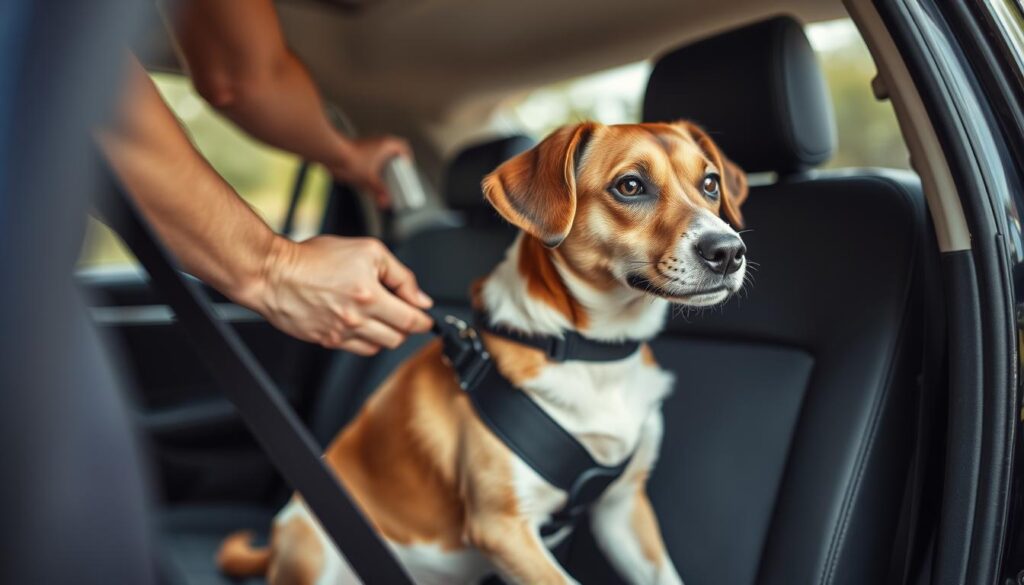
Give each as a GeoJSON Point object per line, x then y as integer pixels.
{"type": "Point", "coordinates": [570, 346]}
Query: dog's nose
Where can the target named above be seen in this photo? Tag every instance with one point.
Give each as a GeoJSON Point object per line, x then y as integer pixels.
{"type": "Point", "coordinates": [722, 252]}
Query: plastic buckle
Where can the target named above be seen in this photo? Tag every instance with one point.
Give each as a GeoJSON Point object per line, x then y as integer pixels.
{"type": "Point", "coordinates": [464, 351]}
{"type": "Point", "coordinates": [558, 350]}
{"type": "Point", "coordinates": [588, 487]}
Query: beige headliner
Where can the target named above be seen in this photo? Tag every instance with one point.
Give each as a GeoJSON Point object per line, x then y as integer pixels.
{"type": "Point", "coordinates": [428, 59]}
{"type": "Point", "coordinates": [433, 70]}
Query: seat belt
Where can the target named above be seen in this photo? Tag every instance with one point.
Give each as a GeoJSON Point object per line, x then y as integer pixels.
{"type": "Point", "coordinates": [276, 426]}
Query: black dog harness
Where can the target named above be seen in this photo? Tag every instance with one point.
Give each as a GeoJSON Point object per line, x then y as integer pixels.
{"type": "Point", "coordinates": [520, 422]}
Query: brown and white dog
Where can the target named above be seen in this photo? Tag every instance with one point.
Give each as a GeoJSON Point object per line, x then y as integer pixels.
{"type": "Point", "coordinates": [617, 223]}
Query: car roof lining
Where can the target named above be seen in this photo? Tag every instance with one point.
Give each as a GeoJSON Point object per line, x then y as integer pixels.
{"type": "Point", "coordinates": [455, 54]}
{"type": "Point", "coordinates": [403, 66]}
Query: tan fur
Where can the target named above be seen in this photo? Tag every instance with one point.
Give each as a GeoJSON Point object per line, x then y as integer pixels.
{"type": "Point", "coordinates": [647, 355]}
{"type": "Point", "coordinates": [544, 284]}
{"type": "Point", "coordinates": [517, 363]}
{"type": "Point", "coordinates": [537, 190]}
{"type": "Point", "coordinates": [298, 554]}
{"type": "Point", "coordinates": [647, 145]}
{"type": "Point", "coordinates": [398, 457]}
{"type": "Point", "coordinates": [401, 456]}
{"type": "Point", "coordinates": [645, 525]}
{"type": "Point", "coordinates": [734, 179]}
{"type": "Point", "coordinates": [238, 558]}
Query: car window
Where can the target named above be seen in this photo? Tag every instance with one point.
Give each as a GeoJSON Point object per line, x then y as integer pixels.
{"type": "Point", "coordinates": [867, 130]}
{"type": "Point", "coordinates": [262, 175]}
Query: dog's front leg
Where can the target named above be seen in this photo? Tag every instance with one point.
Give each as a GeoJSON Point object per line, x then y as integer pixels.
{"type": "Point", "coordinates": [516, 550]}
{"type": "Point", "coordinates": [626, 530]}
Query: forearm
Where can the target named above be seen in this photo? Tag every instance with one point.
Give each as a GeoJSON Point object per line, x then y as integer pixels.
{"type": "Point", "coordinates": [239, 62]}
{"type": "Point", "coordinates": [214, 234]}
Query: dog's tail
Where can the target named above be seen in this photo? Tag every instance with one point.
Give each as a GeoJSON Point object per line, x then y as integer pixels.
{"type": "Point", "coordinates": [238, 558]}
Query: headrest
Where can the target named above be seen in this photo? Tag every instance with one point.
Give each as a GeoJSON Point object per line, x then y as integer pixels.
{"type": "Point", "coordinates": [756, 90]}
{"type": "Point", "coordinates": [467, 170]}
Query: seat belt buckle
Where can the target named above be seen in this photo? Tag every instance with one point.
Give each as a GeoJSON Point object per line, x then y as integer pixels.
{"type": "Point", "coordinates": [464, 352]}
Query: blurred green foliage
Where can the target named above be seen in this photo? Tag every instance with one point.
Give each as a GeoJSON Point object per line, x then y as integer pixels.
{"type": "Point", "coordinates": [868, 133]}
{"type": "Point", "coordinates": [258, 172]}
{"type": "Point", "coordinates": [262, 175]}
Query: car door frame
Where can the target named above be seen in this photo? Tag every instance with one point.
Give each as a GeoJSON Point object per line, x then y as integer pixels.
{"type": "Point", "coordinates": [943, 48]}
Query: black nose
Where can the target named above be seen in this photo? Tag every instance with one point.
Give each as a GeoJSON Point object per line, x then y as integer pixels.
{"type": "Point", "coordinates": [723, 253]}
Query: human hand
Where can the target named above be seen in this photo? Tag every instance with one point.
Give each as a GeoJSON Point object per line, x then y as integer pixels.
{"type": "Point", "coordinates": [343, 293]}
{"type": "Point", "coordinates": [362, 165]}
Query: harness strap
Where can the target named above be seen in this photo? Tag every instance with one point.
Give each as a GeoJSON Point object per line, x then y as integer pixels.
{"type": "Point", "coordinates": [524, 426]}
{"type": "Point", "coordinates": [570, 346]}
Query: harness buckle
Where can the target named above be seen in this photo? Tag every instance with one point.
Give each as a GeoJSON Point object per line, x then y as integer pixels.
{"type": "Point", "coordinates": [558, 348]}
{"type": "Point", "coordinates": [464, 352]}
{"type": "Point", "coordinates": [585, 490]}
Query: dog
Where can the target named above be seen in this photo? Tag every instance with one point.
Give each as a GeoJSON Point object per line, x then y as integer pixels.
{"type": "Point", "coordinates": [616, 223]}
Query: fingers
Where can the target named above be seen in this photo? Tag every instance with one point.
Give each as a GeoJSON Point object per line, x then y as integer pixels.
{"type": "Point", "coordinates": [358, 347]}
{"type": "Point", "coordinates": [391, 146]}
{"type": "Point", "coordinates": [398, 314]}
{"type": "Point", "coordinates": [380, 334]}
{"type": "Point", "coordinates": [401, 281]}
{"type": "Point", "coordinates": [367, 337]}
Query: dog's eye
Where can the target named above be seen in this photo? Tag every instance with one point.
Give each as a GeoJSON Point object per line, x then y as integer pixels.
{"type": "Point", "coordinates": [711, 186]}
{"type": "Point", "coordinates": [630, 186]}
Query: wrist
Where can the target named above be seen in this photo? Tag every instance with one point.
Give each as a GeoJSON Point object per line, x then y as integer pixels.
{"type": "Point", "coordinates": [342, 155]}
{"type": "Point", "coordinates": [257, 290]}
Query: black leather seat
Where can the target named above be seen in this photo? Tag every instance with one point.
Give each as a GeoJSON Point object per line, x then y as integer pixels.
{"type": "Point", "coordinates": [787, 439]}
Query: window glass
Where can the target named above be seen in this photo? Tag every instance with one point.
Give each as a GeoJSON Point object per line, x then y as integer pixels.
{"type": "Point", "coordinates": [262, 175]}
{"type": "Point", "coordinates": [868, 134]}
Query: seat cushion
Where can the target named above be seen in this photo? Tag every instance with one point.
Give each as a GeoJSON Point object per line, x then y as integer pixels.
{"type": "Point", "coordinates": [727, 436]}
{"type": "Point", "coordinates": [191, 536]}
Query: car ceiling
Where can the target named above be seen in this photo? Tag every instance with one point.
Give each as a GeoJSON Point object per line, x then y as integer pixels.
{"type": "Point", "coordinates": [427, 57]}
{"type": "Point", "coordinates": [424, 67]}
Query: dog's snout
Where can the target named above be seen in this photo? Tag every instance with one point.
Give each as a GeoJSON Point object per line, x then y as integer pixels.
{"type": "Point", "coordinates": [722, 252]}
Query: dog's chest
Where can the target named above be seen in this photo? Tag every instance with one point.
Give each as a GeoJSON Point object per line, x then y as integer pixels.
{"type": "Point", "coordinates": [604, 405]}
{"type": "Point", "coordinates": [613, 409]}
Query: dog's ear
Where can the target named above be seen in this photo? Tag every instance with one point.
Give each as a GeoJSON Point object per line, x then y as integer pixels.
{"type": "Point", "coordinates": [536, 190]}
{"type": "Point", "coordinates": [734, 180]}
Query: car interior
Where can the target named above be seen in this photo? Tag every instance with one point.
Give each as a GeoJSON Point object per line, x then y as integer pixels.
{"type": "Point", "coordinates": [792, 438]}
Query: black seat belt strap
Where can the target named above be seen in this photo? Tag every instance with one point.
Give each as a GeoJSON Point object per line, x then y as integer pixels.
{"type": "Point", "coordinates": [276, 426]}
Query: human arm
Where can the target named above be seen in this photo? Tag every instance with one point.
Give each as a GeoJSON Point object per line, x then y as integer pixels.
{"type": "Point", "coordinates": [332, 291]}
{"type": "Point", "coordinates": [240, 63]}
